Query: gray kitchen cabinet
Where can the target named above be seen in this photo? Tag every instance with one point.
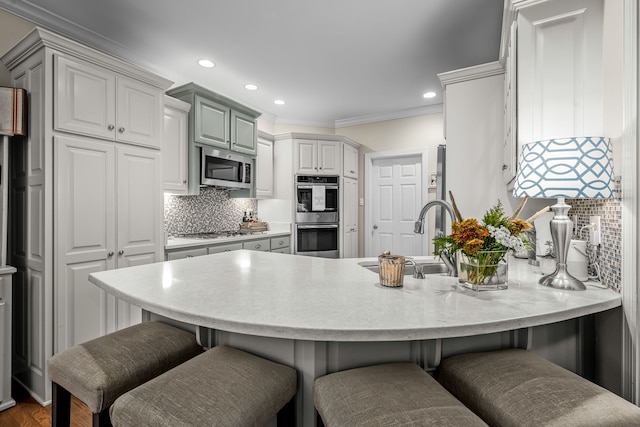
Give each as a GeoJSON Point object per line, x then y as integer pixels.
{"type": "Point", "coordinates": [6, 401]}
{"type": "Point", "coordinates": [257, 245]}
{"type": "Point", "coordinates": [216, 121]}
{"type": "Point", "coordinates": [280, 244]}
{"type": "Point", "coordinates": [185, 253]}
{"type": "Point", "coordinates": [227, 247]}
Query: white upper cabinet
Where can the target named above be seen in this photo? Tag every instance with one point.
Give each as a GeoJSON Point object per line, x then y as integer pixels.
{"type": "Point", "coordinates": [560, 80]}
{"type": "Point", "coordinates": [318, 157]}
{"type": "Point", "coordinates": [174, 146]}
{"type": "Point", "coordinates": [264, 168]}
{"type": "Point", "coordinates": [94, 101]}
{"type": "Point", "coordinates": [350, 159]}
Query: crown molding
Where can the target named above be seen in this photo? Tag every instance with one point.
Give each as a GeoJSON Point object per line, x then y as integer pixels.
{"type": "Point", "coordinates": [471, 73]}
{"type": "Point", "coordinates": [393, 115]}
{"type": "Point", "coordinates": [324, 137]}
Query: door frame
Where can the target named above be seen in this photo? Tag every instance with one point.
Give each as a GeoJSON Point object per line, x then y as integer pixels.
{"type": "Point", "coordinates": [369, 158]}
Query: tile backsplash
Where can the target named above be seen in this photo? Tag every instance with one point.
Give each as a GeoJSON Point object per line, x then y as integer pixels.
{"type": "Point", "coordinates": [610, 211]}
{"type": "Point", "coordinates": [211, 210]}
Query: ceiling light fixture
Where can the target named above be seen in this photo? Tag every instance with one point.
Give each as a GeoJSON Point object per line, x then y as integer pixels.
{"type": "Point", "coordinates": [278, 102]}
{"type": "Point", "coordinates": [251, 87]}
{"type": "Point", "coordinates": [429, 95]}
{"type": "Point", "coordinates": [206, 63]}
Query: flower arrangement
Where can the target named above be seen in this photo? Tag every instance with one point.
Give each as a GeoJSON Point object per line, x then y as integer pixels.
{"type": "Point", "coordinates": [484, 244]}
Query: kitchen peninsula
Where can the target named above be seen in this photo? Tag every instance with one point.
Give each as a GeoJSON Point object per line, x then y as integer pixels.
{"type": "Point", "coordinates": [322, 315]}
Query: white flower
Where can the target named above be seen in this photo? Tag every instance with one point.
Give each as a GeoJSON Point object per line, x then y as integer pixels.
{"type": "Point", "coordinates": [504, 237]}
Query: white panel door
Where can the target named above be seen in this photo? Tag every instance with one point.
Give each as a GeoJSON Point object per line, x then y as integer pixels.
{"type": "Point", "coordinates": [139, 219]}
{"type": "Point", "coordinates": [85, 236]}
{"type": "Point", "coordinates": [139, 113]}
{"type": "Point", "coordinates": [559, 66]}
{"type": "Point", "coordinates": [85, 99]}
{"type": "Point", "coordinates": [396, 189]}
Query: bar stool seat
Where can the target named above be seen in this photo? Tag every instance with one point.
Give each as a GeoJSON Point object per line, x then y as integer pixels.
{"type": "Point", "coordinates": [514, 387]}
{"type": "Point", "coordinates": [99, 371]}
{"type": "Point", "coordinates": [223, 386]}
{"type": "Point", "coordinates": [393, 394]}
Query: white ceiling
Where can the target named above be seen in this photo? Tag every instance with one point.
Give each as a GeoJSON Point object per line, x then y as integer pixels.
{"type": "Point", "coordinates": [334, 62]}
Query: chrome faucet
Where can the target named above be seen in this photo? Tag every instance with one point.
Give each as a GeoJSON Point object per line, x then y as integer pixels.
{"type": "Point", "coordinates": [445, 256]}
{"type": "Point", "coordinates": [419, 225]}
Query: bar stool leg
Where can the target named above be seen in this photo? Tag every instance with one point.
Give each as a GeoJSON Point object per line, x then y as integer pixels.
{"type": "Point", "coordinates": [102, 419]}
{"type": "Point", "coordinates": [60, 406]}
{"type": "Point", "coordinates": [287, 415]}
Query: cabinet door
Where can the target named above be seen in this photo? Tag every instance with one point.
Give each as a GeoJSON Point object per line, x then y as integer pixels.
{"type": "Point", "coordinates": [139, 217]}
{"type": "Point", "coordinates": [85, 99]}
{"type": "Point", "coordinates": [140, 206]}
{"type": "Point", "coordinates": [85, 236]}
{"type": "Point", "coordinates": [211, 123]}
{"type": "Point", "coordinates": [227, 247]}
{"type": "Point", "coordinates": [350, 157]}
{"type": "Point", "coordinates": [264, 169]}
{"type": "Point", "coordinates": [329, 157]}
{"type": "Point", "coordinates": [187, 253]}
{"type": "Point", "coordinates": [350, 218]}
{"type": "Point", "coordinates": [244, 133]}
{"type": "Point", "coordinates": [174, 151]}
{"type": "Point", "coordinates": [139, 113]}
{"type": "Point", "coordinates": [306, 156]}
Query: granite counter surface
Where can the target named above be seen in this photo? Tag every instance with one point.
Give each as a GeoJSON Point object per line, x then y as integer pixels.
{"type": "Point", "coordinates": [306, 298]}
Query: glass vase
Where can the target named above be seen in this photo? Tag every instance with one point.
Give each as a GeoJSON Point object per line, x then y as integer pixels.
{"type": "Point", "coordinates": [483, 271]}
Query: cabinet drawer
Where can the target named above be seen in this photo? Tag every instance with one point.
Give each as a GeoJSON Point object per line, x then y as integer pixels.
{"type": "Point", "coordinates": [188, 253]}
{"type": "Point", "coordinates": [280, 242]}
{"type": "Point", "coordinates": [257, 245]}
{"type": "Point", "coordinates": [286, 250]}
{"type": "Point", "coordinates": [225, 248]}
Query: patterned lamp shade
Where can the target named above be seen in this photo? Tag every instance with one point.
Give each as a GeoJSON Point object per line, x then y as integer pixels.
{"type": "Point", "coordinates": [574, 168]}
{"type": "Point", "coordinates": [13, 111]}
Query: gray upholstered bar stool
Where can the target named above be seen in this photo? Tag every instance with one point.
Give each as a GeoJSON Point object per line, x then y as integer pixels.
{"type": "Point", "coordinates": [388, 395]}
{"type": "Point", "coordinates": [223, 386]}
{"type": "Point", "coordinates": [514, 387]}
{"type": "Point", "coordinates": [99, 371]}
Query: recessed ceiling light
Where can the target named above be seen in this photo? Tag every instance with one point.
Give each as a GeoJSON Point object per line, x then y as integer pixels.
{"type": "Point", "coordinates": [250, 87]}
{"type": "Point", "coordinates": [278, 102]}
{"type": "Point", "coordinates": [429, 95]}
{"type": "Point", "coordinates": [206, 63]}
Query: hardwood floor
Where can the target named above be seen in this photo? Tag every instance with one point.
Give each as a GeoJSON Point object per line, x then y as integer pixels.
{"type": "Point", "coordinates": [29, 413]}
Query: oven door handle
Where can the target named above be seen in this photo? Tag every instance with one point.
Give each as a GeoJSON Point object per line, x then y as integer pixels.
{"type": "Point", "coordinates": [306, 227]}
{"type": "Point", "coordinates": [309, 187]}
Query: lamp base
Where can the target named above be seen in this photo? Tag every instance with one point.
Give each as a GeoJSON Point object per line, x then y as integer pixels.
{"type": "Point", "coordinates": [561, 279]}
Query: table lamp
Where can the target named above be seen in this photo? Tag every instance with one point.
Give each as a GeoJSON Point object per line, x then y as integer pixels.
{"type": "Point", "coordinates": [575, 168]}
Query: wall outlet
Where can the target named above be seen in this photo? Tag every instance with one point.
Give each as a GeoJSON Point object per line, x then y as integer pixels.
{"type": "Point", "coordinates": [594, 230]}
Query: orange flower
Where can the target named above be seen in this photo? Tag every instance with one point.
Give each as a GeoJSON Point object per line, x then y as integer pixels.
{"type": "Point", "coordinates": [517, 226]}
{"type": "Point", "coordinates": [473, 246]}
{"type": "Point", "coordinates": [467, 230]}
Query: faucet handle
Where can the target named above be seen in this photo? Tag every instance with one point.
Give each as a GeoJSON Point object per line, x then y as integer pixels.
{"type": "Point", "coordinates": [417, 271]}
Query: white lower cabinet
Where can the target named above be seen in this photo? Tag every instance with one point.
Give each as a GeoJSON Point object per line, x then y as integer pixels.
{"type": "Point", "coordinates": [108, 215]}
{"type": "Point", "coordinates": [224, 248]}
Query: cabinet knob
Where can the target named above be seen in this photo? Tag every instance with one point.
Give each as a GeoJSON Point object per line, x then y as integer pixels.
{"type": "Point", "coordinates": [110, 254]}
{"type": "Point", "coordinates": [120, 252]}
{"type": "Point", "coordinates": [281, 242]}
{"type": "Point", "coordinates": [121, 130]}
{"type": "Point", "coordinates": [258, 246]}
{"type": "Point", "coordinates": [184, 181]}
{"type": "Point", "coordinates": [505, 167]}
{"type": "Point", "coordinates": [375, 227]}
{"type": "Point", "coordinates": [111, 127]}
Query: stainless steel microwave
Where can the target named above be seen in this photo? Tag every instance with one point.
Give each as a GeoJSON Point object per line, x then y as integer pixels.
{"type": "Point", "coordinates": [223, 169]}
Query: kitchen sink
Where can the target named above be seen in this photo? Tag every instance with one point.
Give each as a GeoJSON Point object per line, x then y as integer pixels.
{"type": "Point", "coordinates": [434, 267]}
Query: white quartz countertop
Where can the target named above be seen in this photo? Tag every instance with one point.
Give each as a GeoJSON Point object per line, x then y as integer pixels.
{"type": "Point", "coordinates": [186, 242]}
{"type": "Point", "coordinates": [307, 298]}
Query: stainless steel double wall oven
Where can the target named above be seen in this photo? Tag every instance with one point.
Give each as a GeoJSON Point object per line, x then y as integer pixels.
{"type": "Point", "coordinates": [317, 216]}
